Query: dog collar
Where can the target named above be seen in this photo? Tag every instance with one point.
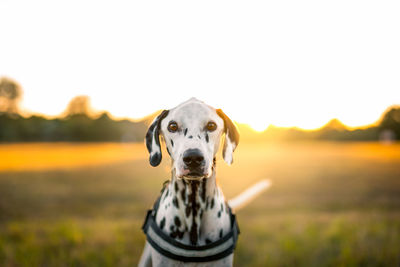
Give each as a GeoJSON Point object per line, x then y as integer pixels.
{"type": "Point", "coordinates": [173, 249]}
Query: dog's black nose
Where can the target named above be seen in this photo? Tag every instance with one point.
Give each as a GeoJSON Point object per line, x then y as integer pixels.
{"type": "Point", "coordinates": [193, 158]}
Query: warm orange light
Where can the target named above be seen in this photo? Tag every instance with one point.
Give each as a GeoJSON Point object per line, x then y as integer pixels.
{"type": "Point", "coordinates": [49, 156]}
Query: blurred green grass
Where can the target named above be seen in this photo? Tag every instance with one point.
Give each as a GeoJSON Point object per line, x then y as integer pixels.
{"type": "Point", "coordinates": [331, 204]}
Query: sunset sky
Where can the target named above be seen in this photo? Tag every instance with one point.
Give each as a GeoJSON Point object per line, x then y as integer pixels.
{"type": "Point", "coordinates": [287, 63]}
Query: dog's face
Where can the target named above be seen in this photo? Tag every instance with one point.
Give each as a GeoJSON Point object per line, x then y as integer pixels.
{"type": "Point", "coordinates": [192, 133]}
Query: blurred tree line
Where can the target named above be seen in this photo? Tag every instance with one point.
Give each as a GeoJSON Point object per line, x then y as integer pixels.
{"type": "Point", "coordinates": [386, 130]}
{"type": "Point", "coordinates": [77, 127]}
{"type": "Point", "coordinates": [79, 123]}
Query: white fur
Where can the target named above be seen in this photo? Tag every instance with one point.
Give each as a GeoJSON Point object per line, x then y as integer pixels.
{"type": "Point", "coordinates": [192, 115]}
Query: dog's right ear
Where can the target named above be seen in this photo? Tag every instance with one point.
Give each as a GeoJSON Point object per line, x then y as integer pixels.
{"type": "Point", "coordinates": [231, 137]}
{"type": "Point", "coordinates": [153, 139]}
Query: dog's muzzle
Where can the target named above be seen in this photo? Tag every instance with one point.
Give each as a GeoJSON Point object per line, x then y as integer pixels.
{"type": "Point", "coordinates": [194, 164]}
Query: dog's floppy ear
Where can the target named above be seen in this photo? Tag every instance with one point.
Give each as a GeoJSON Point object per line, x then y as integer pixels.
{"type": "Point", "coordinates": [231, 137]}
{"type": "Point", "coordinates": [153, 139]}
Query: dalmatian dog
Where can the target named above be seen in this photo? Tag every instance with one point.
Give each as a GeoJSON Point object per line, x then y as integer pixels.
{"type": "Point", "coordinates": [192, 209]}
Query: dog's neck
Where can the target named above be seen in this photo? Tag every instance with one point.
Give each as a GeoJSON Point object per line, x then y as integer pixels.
{"type": "Point", "coordinates": [193, 212]}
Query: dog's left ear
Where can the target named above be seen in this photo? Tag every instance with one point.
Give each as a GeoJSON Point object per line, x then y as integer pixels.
{"type": "Point", "coordinates": [231, 137]}
{"type": "Point", "coordinates": [153, 139]}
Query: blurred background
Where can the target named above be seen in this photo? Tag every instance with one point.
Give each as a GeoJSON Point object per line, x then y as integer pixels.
{"type": "Point", "coordinates": [313, 87]}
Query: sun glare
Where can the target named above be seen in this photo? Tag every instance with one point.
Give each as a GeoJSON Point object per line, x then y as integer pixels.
{"type": "Point", "coordinates": [264, 66]}
{"type": "Point", "coordinates": [259, 126]}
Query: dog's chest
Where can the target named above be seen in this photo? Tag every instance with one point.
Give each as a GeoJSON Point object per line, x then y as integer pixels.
{"type": "Point", "coordinates": [194, 214]}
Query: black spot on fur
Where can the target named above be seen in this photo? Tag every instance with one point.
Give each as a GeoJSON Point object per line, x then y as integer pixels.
{"type": "Point", "coordinates": [177, 221]}
{"type": "Point", "coordinates": [203, 191]}
{"type": "Point", "coordinates": [188, 210]}
{"type": "Point", "coordinates": [221, 233]}
{"type": "Point", "coordinates": [172, 143]}
{"type": "Point", "coordinates": [194, 206]}
{"type": "Point", "coordinates": [192, 198]}
{"type": "Point", "coordinates": [212, 203]}
{"type": "Point", "coordinates": [172, 234]}
{"type": "Point", "coordinates": [193, 233]}
{"type": "Point", "coordinates": [176, 187]}
{"type": "Point", "coordinates": [185, 132]}
{"type": "Point", "coordinates": [208, 241]}
{"type": "Point", "coordinates": [168, 151]}
{"type": "Point", "coordinates": [201, 214]}
{"type": "Point", "coordinates": [207, 138]}
{"type": "Point", "coordinates": [155, 159]}
{"type": "Point", "coordinates": [199, 136]}
{"type": "Point", "coordinates": [222, 207]}
{"type": "Point", "coordinates": [219, 214]}
{"type": "Point", "coordinates": [190, 136]}
{"type": "Point", "coordinates": [183, 194]}
{"type": "Point", "coordinates": [176, 233]}
{"type": "Point", "coordinates": [175, 202]}
{"type": "Point", "coordinates": [162, 223]}
{"type": "Point", "coordinates": [166, 193]}
{"type": "Point", "coordinates": [180, 234]}
{"type": "Point", "coordinates": [149, 136]}
{"type": "Point", "coordinates": [164, 186]}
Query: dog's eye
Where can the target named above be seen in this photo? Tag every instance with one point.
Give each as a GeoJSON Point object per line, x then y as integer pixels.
{"type": "Point", "coordinates": [172, 127]}
{"type": "Point", "coordinates": [211, 126]}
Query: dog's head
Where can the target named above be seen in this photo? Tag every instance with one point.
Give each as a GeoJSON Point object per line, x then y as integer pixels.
{"type": "Point", "coordinates": [192, 133]}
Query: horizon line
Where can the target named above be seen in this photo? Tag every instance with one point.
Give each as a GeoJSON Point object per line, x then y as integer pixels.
{"type": "Point", "coordinates": [26, 113]}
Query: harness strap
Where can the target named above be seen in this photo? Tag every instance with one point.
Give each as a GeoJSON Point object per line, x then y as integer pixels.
{"type": "Point", "coordinates": [173, 249]}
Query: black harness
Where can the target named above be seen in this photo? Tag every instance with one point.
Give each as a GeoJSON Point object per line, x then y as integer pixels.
{"type": "Point", "coordinates": [173, 249]}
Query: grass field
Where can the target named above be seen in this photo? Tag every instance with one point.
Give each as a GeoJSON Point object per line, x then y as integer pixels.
{"type": "Point", "coordinates": [331, 204]}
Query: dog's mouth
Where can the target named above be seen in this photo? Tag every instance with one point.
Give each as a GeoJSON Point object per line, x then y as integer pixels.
{"type": "Point", "coordinates": [193, 174]}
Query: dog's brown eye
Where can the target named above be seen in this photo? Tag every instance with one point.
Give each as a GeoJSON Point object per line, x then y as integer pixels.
{"type": "Point", "coordinates": [172, 127]}
{"type": "Point", "coordinates": [211, 126]}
